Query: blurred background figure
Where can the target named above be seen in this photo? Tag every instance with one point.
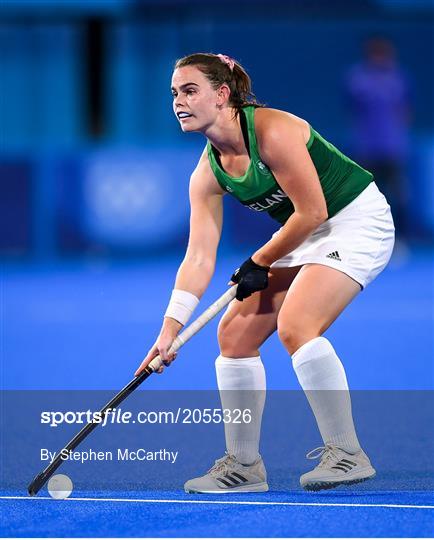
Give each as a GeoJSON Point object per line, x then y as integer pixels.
{"type": "Point", "coordinates": [378, 92]}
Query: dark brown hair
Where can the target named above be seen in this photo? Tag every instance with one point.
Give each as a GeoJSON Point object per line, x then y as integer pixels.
{"type": "Point", "coordinates": [218, 72]}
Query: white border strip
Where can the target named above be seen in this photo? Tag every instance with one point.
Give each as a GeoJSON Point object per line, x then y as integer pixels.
{"type": "Point", "coordinates": [256, 503]}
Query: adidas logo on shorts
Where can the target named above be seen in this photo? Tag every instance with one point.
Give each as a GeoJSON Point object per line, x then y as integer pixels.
{"type": "Point", "coordinates": [334, 255]}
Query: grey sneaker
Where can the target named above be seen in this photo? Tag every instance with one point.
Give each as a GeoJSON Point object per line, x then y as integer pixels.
{"type": "Point", "coordinates": [336, 467]}
{"type": "Point", "coordinates": [228, 476]}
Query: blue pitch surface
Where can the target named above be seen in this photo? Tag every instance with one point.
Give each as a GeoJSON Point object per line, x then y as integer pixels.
{"type": "Point", "coordinates": [87, 326]}
{"type": "Point", "coordinates": [174, 514]}
{"type": "Point", "coordinates": [62, 324]}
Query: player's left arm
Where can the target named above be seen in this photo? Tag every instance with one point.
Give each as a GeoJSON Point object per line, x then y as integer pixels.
{"type": "Point", "coordinates": [282, 146]}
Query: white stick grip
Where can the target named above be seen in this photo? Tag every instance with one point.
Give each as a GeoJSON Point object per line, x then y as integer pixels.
{"type": "Point", "coordinates": [197, 324]}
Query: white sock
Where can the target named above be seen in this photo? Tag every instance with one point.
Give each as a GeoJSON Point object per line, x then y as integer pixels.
{"type": "Point", "coordinates": [322, 377]}
{"type": "Point", "coordinates": [242, 386]}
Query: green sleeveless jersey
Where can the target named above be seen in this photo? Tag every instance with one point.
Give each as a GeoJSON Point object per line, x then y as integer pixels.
{"type": "Point", "coordinates": [342, 180]}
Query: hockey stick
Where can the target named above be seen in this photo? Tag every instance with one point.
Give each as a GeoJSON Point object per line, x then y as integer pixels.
{"type": "Point", "coordinates": [153, 366]}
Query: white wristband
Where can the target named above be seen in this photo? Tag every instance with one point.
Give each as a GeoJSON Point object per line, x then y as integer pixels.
{"type": "Point", "coordinates": [181, 305]}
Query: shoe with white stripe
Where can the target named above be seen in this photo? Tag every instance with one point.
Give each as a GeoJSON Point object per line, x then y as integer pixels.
{"type": "Point", "coordinates": [336, 467]}
{"type": "Point", "coordinates": [229, 476]}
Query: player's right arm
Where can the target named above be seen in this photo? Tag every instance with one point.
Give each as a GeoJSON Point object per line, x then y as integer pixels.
{"type": "Point", "coordinates": [197, 268]}
{"type": "Point", "coordinates": [206, 220]}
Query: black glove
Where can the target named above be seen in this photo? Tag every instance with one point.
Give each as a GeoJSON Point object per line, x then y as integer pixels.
{"type": "Point", "coordinates": [251, 277]}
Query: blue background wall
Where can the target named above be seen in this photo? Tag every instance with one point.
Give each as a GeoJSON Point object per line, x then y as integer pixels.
{"type": "Point", "coordinates": [296, 53]}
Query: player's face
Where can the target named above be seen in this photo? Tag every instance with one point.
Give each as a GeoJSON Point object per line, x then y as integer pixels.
{"type": "Point", "coordinates": [194, 99]}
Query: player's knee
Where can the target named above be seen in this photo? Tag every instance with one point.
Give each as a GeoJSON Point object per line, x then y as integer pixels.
{"type": "Point", "coordinates": [233, 341]}
{"type": "Point", "coordinates": [228, 342]}
{"type": "Point", "coordinates": [225, 335]}
{"type": "Point", "coordinates": [286, 336]}
{"type": "Point", "coordinates": [294, 335]}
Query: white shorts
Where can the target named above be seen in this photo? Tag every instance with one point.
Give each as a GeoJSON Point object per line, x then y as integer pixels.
{"type": "Point", "coordinates": [358, 240]}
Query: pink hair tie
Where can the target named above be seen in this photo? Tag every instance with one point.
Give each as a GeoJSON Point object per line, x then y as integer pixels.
{"type": "Point", "coordinates": [227, 60]}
